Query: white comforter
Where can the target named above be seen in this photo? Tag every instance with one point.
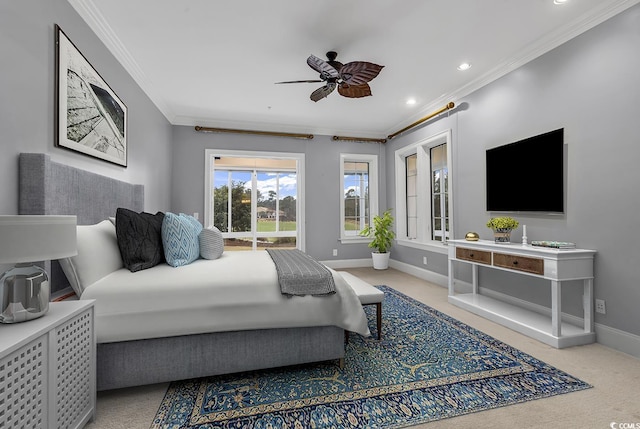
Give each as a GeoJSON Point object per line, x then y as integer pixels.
{"type": "Point", "coordinates": [238, 291]}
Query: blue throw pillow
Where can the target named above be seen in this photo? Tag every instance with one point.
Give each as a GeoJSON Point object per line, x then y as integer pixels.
{"type": "Point", "coordinates": [180, 239]}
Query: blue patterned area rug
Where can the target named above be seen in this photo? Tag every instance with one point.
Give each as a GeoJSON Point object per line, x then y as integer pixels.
{"type": "Point", "coordinates": [427, 367]}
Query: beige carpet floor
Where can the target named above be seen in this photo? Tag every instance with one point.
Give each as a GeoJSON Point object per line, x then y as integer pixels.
{"type": "Point", "coordinates": [615, 397]}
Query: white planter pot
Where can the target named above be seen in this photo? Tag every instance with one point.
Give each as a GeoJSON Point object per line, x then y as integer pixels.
{"type": "Point", "coordinates": [380, 260]}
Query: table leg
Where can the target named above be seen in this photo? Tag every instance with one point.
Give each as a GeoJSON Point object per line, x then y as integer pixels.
{"type": "Point", "coordinates": [589, 322]}
{"type": "Point", "coordinates": [379, 319]}
{"type": "Point", "coordinates": [450, 280]}
{"type": "Point", "coordinates": [556, 308]}
{"type": "Point", "coordinates": [474, 279]}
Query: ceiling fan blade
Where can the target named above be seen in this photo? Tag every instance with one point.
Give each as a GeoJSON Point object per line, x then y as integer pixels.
{"type": "Point", "coordinates": [354, 91]}
{"type": "Point", "coordinates": [359, 72]}
{"type": "Point", "coordinates": [325, 69]}
{"type": "Point", "coordinates": [301, 81]}
{"type": "Point", "coordinates": [322, 92]}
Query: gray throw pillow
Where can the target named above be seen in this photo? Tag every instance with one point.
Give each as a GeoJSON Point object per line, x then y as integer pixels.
{"type": "Point", "coordinates": [211, 243]}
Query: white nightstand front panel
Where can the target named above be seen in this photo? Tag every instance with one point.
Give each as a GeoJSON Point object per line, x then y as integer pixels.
{"type": "Point", "coordinates": [47, 369]}
{"type": "Point", "coordinates": [23, 387]}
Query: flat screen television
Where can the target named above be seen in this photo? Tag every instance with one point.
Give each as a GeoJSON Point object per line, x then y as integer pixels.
{"type": "Point", "coordinates": [527, 175]}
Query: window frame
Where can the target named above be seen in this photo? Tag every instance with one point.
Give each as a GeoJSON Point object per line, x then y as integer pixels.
{"type": "Point", "coordinates": [372, 160]}
{"type": "Point", "coordinates": [300, 204]}
{"type": "Point", "coordinates": [424, 196]}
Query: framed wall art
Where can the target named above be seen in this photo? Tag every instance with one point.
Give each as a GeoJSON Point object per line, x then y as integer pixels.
{"type": "Point", "coordinates": [90, 118]}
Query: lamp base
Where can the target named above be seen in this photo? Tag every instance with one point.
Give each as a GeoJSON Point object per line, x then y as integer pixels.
{"type": "Point", "coordinates": [24, 293]}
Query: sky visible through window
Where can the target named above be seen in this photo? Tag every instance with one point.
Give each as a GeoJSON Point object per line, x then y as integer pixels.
{"type": "Point", "coordinates": [265, 182]}
{"type": "Point", "coordinates": [351, 182]}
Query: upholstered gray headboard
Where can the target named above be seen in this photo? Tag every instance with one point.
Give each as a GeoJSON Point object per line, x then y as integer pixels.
{"type": "Point", "coordinates": [50, 188]}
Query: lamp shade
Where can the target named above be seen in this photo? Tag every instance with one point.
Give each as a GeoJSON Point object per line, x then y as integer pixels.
{"type": "Point", "coordinates": [31, 238]}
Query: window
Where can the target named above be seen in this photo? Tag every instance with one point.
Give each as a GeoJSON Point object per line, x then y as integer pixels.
{"type": "Point", "coordinates": [358, 194]}
{"type": "Point", "coordinates": [254, 198]}
{"type": "Point", "coordinates": [423, 193]}
{"type": "Point", "coordinates": [439, 193]}
{"type": "Point", "coordinates": [411, 175]}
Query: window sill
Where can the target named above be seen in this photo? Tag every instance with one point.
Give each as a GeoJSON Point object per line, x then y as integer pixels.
{"type": "Point", "coordinates": [354, 240]}
{"type": "Point", "coordinates": [435, 247]}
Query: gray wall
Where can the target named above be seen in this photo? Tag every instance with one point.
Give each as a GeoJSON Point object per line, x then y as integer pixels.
{"type": "Point", "coordinates": [322, 180]}
{"type": "Point", "coordinates": [591, 87]}
{"type": "Point", "coordinates": [27, 102]}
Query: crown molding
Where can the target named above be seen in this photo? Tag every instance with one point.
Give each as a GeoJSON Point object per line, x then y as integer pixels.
{"type": "Point", "coordinates": [92, 16]}
{"type": "Point", "coordinates": [545, 44]}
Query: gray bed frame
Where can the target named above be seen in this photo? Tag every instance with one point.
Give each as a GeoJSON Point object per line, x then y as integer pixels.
{"type": "Point", "coordinates": [50, 188]}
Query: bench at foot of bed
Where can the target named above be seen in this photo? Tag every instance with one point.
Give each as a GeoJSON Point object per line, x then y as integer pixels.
{"type": "Point", "coordinates": [367, 294]}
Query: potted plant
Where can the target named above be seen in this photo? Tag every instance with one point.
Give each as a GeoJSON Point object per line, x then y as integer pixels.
{"type": "Point", "coordinates": [382, 240]}
{"type": "Point", "coordinates": [502, 227]}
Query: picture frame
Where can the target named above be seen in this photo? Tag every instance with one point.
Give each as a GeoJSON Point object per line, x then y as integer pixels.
{"type": "Point", "coordinates": [90, 117]}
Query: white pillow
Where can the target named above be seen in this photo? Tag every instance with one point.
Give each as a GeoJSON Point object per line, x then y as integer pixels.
{"type": "Point", "coordinates": [211, 243]}
{"type": "Point", "coordinates": [98, 255]}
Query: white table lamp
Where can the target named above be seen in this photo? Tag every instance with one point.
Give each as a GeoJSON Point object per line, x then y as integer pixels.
{"type": "Point", "coordinates": [24, 289]}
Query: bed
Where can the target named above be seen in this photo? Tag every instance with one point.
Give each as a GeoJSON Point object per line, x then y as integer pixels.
{"type": "Point", "coordinates": [184, 329]}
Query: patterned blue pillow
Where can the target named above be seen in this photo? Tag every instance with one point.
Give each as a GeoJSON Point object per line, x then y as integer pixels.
{"type": "Point", "coordinates": [180, 239]}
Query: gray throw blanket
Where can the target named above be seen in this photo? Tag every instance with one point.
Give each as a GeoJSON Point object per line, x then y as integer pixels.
{"type": "Point", "coordinates": [299, 274]}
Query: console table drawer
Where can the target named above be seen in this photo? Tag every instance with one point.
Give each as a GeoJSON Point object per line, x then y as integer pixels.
{"type": "Point", "coordinates": [473, 255]}
{"type": "Point", "coordinates": [520, 263]}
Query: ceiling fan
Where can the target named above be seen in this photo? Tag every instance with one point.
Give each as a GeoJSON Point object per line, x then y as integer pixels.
{"type": "Point", "coordinates": [350, 79]}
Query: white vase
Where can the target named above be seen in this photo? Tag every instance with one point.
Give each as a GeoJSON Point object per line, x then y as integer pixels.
{"type": "Point", "coordinates": [380, 260]}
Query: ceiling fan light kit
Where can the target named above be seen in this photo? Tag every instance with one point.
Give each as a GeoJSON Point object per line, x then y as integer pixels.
{"type": "Point", "coordinates": [351, 79]}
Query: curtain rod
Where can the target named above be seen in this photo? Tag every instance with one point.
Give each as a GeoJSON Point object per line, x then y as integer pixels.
{"type": "Point", "coordinates": [260, 133]}
{"type": "Point", "coordinates": [358, 139]}
{"type": "Point", "coordinates": [449, 105]}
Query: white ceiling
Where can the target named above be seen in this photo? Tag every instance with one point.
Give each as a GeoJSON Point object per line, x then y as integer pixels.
{"type": "Point", "coordinates": [214, 63]}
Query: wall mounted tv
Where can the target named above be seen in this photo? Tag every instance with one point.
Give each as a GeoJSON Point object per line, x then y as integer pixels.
{"type": "Point", "coordinates": [527, 175]}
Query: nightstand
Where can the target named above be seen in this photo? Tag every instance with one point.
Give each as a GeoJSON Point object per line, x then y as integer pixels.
{"type": "Point", "coordinates": [48, 369]}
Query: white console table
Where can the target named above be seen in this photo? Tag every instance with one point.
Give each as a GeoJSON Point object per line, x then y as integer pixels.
{"type": "Point", "coordinates": [556, 265]}
{"type": "Point", "coordinates": [48, 370]}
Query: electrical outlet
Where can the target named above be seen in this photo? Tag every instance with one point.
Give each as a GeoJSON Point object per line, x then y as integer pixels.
{"type": "Point", "coordinates": [424, 260]}
{"type": "Point", "coordinates": [196, 215]}
{"type": "Point", "coordinates": [600, 307]}
{"type": "Point", "coordinates": [335, 252]}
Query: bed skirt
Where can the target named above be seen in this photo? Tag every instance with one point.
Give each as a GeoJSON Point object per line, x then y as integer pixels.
{"type": "Point", "coordinates": [159, 360]}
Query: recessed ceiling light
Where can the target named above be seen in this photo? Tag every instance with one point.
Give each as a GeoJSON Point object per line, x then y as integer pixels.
{"type": "Point", "coordinates": [411, 101]}
{"type": "Point", "coordinates": [560, 1]}
{"type": "Point", "coordinates": [464, 66]}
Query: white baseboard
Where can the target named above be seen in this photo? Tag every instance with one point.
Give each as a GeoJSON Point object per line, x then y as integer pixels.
{"type": "Point", "coordinates": [421, 273]}
{"type": "Point", "coordinates": [618, 340]}
{"type": "Point", "coordinates": [348, 263]}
